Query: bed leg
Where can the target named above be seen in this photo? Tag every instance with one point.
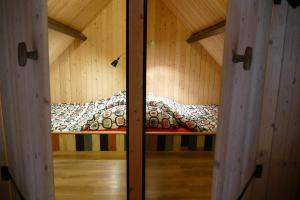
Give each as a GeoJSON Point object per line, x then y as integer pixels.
{"type": "Point", "coordinates": [208, 143]}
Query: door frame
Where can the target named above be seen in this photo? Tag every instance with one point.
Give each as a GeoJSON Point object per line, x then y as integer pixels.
{"type": "Point", "coordinates": [136, 48]}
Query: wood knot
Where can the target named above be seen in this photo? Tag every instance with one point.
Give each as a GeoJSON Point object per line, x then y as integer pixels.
{"type": "Point", "coordinates": [274, 127]}
{"type": "Point", "coordinates": [270, 42]}
{"type": "Point", "coordinates": [46, 100]}
{"type": "Point", "coordinates": [216, 164]}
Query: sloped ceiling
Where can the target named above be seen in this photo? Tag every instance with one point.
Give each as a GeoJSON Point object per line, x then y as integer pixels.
{"type": "Point", "coordinates": [74, 13]}
{"type": "Point", "coordinates": [200, 14]}
{"type": "Point", "coordinates": [195, 14]}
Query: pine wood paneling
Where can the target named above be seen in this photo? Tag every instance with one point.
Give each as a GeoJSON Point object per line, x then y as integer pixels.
{"type": "Point", "coordinates": [198, 15]}
{"type": "Point", "coordinates": [76, 14]}
{"type": "Point", "coordinates": [284, 173]}
{"type": "Point", "coordinates": [176, 69]}
{"type": "Point", "coordinates": [58, 42]}
{"type": "Point", "coordinates": [26, 98]}
{"type": "Point", "coordinates": [83, 72]}
{"type": "Point", "coordinates": [272, 82]}
{"type": "Point", "coordinates": [279, 132]}
{"type": "Point", "coordinates": [241, 98]}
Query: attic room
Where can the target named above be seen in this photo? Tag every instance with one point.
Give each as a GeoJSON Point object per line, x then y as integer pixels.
{"type": "Point", "coordinates": [137, 99]}
{"type": "Point", "coordinates": [180, 73]}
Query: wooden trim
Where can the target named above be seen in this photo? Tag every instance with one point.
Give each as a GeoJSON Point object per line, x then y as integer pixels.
{"type": "Point", "coordinates": [124, 132]}
{"type": "Point", "coordinates": [60, 27]}
{"type": "Point", "coordinates": [208, 32]}
{"type": "Point", "coordinates": [179, 133]}
{"type": "Point", "coordinates": [90, 132]}
{"type": "Point", "coordinates": [136, 64]}
{"type": "Point", "coordinates": [89, 155]}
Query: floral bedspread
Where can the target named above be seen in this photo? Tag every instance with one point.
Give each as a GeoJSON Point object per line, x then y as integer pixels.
{"type": "Point", "coordinates": [110, 113]}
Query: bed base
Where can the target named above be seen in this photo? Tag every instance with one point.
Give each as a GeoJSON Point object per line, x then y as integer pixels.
{"type": "Point", "coordinates": [115, 141]}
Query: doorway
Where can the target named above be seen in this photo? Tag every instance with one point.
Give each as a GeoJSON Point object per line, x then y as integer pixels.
{"type": "Point", "coordinates": [183, 96]}
{"type": "Point", "coordinates": [87, 54]}
{"type": "Point", "coordinates": [240, 143]}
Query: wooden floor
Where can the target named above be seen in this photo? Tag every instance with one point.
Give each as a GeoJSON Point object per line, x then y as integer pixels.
{"type": "Point", "coordinates": [89, 176]}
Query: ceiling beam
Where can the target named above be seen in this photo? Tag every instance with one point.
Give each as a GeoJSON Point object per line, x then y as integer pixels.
{"type": "Point", "coordinates": [207, 32]}
{"type": "Point", "coordinates": [60, 27]}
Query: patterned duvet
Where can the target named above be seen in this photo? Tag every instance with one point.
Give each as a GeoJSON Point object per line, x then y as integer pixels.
{"type": "Point", "coordinates": [110, 113]}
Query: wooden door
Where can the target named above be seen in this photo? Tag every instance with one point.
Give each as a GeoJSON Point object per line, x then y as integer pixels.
{"type": "Point", "coordinates": [279, 139]}
{"type": "Point", "coordinates": [248, 24]}
{"type": "Point", "coordinates": [25, 97]}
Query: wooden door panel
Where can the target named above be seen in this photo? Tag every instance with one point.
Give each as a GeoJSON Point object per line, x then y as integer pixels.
{"type": "Point", "coordinates": [279, 147]}
{"type": "Point", "coordinates": [248, 24]}
{"type": "Point", "coordinates": [25, 95]}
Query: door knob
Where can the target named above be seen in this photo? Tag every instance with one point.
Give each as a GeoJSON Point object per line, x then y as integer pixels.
{"type": "Point", "coordinates": [246, 58]}
{"type": "Point", "coordinates": [23, 54]}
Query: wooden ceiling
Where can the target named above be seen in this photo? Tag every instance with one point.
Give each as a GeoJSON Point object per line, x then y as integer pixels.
{"type": "Point", "coordinates": [200, 14]}
{"type": "Point", "coordinates": [74, 13]}
{"type": "Point", "coordinates": [195, 14]}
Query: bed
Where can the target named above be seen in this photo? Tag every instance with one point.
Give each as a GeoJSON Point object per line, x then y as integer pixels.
{"type": "Point", "coordinates": [106, 120]}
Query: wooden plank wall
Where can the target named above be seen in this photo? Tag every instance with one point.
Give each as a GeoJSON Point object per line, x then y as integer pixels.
{"type": "Point", "coordinates": [76, 14]}
{"type": "Point", "coordinates": [175, 69]}
{"type": "Point", "coordinates": [198, 15]}
{"type": "Point", "coordinates": [83, 72]}
{"type": "Point", "coordinates": [279, 143]}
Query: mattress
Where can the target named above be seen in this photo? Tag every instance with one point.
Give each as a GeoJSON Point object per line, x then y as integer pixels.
{"type": "Point", "coordinates": [162, 114]}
